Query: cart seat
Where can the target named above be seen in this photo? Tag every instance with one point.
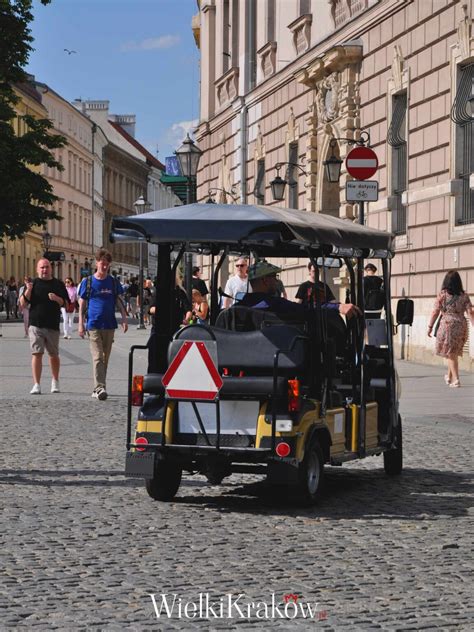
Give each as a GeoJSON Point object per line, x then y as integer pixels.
{"type": "Point", "coordinates": [251, 352]}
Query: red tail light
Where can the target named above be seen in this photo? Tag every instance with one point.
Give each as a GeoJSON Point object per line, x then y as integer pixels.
{"type": "Point", "coordinates": [294, 402]}
{"type": "Point", "coordinates": [283, 449]}
{"type": "Point", "coordinates": [137, 390]}
{"type": "Point", "coordinates": [141, 441]}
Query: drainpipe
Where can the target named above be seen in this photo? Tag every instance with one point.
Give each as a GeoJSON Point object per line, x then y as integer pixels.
{"type": "Point", "coordinates": [243, 118]}
{"type": "Point", "coordinates": [94, 130]}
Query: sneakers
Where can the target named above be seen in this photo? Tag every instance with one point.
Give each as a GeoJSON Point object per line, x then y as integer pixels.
{"type": "Point", "coordinates": [36, 390]}
{"type": "Point", "coordinates": [100, 394]}
{"type": "Point", "coordinates": [55, 386]}
{"type": "Point", "coordinates": [65, 337]}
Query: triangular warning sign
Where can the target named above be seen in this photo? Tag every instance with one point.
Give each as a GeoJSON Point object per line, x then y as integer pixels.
{"type": "Point", "coordinates": [192, 374]}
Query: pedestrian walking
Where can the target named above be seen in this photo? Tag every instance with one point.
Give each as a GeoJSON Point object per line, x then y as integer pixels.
{"type": "Point", "coordinates": [25, 310]}
{"type": "Point", "coordinates": [451, 329]}
{"type": "Point", "coordinates": [12, 298]}
{"type": "Point", "coordinates": [99, 295]}
{"type": "Point", "coordinates": [306, 293]}
{"type": "Point", "coordinates": [45, 296]}
{"type": "Point", "coordinates": [69, 310]}
{"type": "Point", "coordinates": [238, 285]}
{"type": "Point", "coordinates": [374, 296]}
{"type": "Point", "coordinates": [197, 283]}
{"type": "Point", "coordinates": [134, 291]}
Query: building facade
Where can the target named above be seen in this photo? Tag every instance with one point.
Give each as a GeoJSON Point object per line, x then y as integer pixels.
{"type": "Point", "coordinates": [74, 185]}
{"type": "Point", "coordinates": [280, 80]}
{"type": "Point", "coordinates": [18, 257]}
{"type": "Point", "coordinates": [125, 178]}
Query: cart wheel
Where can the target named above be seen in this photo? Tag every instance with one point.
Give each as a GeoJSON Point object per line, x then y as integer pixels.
{"type": "Point", "coordinates": [164, 485]}
{"type": "Point", "coordinates": [311, 474]}
{"type": "Point", "coordinates": [393, 459]}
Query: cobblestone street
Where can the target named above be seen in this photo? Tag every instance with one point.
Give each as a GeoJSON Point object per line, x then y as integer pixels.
{"type": "Point", "coordinates": [82, 547]}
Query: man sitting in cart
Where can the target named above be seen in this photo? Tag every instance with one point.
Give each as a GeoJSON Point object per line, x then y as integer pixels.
{"type": "Point", "coordinates": [263, 279]}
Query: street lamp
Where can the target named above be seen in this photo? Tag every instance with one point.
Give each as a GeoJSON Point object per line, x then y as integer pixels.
{"type": "Point", "coordinates": [141, 206]}
{"type": "Point", "coordinates": [189, 155]}
{"type": "Point", "coordinates": [46, 239]}
{"type": "Point", "coordinates": [278, 185]}
{"type": "Point", "coordinates": [332, 165]}
{"type": "Point", "coordinates": [232, 194]}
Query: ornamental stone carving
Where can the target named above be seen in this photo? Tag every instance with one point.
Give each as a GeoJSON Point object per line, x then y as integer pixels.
{"type": "Point", "coordinates": [328, 92]}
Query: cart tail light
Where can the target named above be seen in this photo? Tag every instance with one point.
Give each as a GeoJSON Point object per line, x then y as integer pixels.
{"type": "Point", "coordinates": [137, 390]}
{"type": "Point", "coordinates": [142, 441]}
{"type": "Point", "coordinates": [294, 402]}
{"type": "Point", "coordinates": [283, 449]}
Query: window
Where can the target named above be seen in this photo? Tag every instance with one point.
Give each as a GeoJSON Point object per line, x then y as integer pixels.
{"type": "Point", "coordinates": [305, 7]}
{"type": "Point", "coordinates": [271, 21]}
{"type": "Point", "coordinates": [235, 33]}
{"type": "Point", "coordinates": [225, 36]}
{"type": "Point", "coordinates": [292, 176]}
{"type": "Point", "coordinates": [252, 45]}
{"type": "Point", "coordinates": [462, 114]}
{"type": "Point", "coordinates": [397, 140]}
{"type": "Point", "coordinates": [259, 190]}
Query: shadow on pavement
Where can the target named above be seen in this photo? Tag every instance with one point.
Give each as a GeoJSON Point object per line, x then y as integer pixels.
{"type": "Point", "coordinates": [57, 478]}
{"type": "Point", "coordinates": [417, 494]}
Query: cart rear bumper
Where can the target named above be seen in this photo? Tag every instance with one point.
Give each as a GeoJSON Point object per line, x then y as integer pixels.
{"type": "Point", "coordinates": [142, 464]}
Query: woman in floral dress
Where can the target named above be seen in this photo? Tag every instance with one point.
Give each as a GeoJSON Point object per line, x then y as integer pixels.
{"type": "Point", "coordinates": [452, 302]}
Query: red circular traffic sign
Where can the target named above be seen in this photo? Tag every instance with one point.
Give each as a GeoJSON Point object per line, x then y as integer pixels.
{"type": "Point", "coordinates": [362, 163]}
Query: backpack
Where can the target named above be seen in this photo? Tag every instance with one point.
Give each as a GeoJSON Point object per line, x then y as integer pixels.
{"type": "Point", "coordinates": [88, 295]}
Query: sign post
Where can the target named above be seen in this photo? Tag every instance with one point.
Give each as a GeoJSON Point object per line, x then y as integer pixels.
{"type": "Point", "coordinates": [361, 163]}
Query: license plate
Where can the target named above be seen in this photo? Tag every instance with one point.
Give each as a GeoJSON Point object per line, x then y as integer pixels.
{"type": "Point", "coordinates": [140, 465]}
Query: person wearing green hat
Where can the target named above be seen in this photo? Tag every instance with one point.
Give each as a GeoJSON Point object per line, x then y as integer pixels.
{"type": "Point", "coordinates": [263, 280]}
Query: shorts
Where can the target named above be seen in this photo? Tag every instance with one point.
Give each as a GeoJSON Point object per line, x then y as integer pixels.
{"type": "Point", "coordinates": [41, 338]}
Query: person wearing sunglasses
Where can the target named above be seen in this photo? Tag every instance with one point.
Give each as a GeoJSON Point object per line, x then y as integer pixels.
{"type": "Point", "coordinates": [237, 284]}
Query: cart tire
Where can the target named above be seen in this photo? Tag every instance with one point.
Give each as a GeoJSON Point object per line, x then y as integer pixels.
{"type": "Point", "coordinates": [311, 474]}
{"type": "Point", "coordinates": [164, 485]}
{"type": "Point", "coordinates": [393, 459]}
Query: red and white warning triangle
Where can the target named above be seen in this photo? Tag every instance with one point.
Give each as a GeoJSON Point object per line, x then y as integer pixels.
{"type": "Point", "coordinates": [192, 374]}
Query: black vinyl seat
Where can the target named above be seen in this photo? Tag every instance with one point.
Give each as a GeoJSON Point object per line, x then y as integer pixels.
{"type": "Point", "coordinates": [246, 359]}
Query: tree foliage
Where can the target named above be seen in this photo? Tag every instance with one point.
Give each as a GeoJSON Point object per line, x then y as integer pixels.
{"type": "Point", "coordinates": [25, 195]}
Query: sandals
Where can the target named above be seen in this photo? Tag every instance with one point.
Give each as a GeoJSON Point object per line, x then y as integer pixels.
{"type": "Point", "coordinates": [447, 380]}
{"type": "Point", "coordinates": [455, 384]}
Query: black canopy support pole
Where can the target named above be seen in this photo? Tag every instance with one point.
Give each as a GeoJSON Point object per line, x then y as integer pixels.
{"type": "Point", "coordinates": [319, 333]}
{"type": "Point", "coordinates": [353, 341]}
{"type": "Point", "coordinates": [388, 316]}
{"type": "Point", "coordinates": [163, 318]}
{"type": "Point", "coordinates": [214, 288]}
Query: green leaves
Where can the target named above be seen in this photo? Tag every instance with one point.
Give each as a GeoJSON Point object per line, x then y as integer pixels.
{"type": "Point", "coordinates": [25, 195]}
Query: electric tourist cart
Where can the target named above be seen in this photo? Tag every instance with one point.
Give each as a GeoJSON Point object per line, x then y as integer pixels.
{"type": "Point", "coordinates": [256, 391]}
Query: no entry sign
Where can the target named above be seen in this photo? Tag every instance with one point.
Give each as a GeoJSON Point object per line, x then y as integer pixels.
{"type": "Point", "coordinates": [362, 163]}
{"type": "Point", "coordinates": [192, 374]}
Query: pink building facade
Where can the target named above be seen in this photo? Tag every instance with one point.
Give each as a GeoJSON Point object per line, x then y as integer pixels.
{"type": "Point", "coordinates": [280, 79]}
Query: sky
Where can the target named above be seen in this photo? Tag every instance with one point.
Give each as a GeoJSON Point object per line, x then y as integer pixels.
{"type": "Point", "coordinates": [138, 54]}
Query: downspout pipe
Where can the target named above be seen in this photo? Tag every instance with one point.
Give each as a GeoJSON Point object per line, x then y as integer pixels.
{"type": "Point", "coordinates": [243, 151]}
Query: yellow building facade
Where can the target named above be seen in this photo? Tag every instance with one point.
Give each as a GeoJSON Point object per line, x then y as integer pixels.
{"type": "Point", "coordinates": [18, 257]}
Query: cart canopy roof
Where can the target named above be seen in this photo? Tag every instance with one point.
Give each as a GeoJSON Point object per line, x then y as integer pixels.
{"type": "Point", "coordinates": [267, 230]}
